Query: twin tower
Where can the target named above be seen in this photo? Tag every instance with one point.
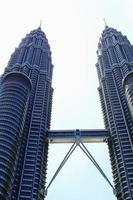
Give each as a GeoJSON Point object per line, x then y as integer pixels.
{"type": "Point", "coordinates": [25, 112]}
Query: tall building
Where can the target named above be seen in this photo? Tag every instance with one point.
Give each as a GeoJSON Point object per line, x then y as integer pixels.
{"type": "Point", "coordinates": [115, 61]}
{"type": "Point", "coordinates": [25, 110]}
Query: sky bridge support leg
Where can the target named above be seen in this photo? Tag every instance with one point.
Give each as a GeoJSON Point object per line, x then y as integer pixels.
{"type": "Point", "coordinates": [91, 158]}
{"type": "Point", "coordinates": [69, 153]}
{"type": "Point", "coordinates": [79, 143]}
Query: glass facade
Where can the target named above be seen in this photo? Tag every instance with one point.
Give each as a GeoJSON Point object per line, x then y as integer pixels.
{"type": "Point", "coordinates": [115, 58]}
{"type": "Point", "coordinates": [25, 104]}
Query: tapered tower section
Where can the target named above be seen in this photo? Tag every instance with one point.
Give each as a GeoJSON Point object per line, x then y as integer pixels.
{"type": "Point", "coordinates": [32, 59]}
{"type": "Point", "coordinates": [115, 61]}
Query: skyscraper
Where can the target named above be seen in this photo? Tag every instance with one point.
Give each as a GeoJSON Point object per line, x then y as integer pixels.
{"type": "Point", "coordinates": [25, 111]}
{"type": "Point", "coordinates": [115, 61]}
{"type": "Point", "coordinates": [25, 104]}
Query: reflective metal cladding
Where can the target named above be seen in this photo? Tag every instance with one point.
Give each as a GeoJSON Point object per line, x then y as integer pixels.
{"type": "Point", "coordinates": [115, 58]}
{"type": "Point", "coordinates": [25, 111]}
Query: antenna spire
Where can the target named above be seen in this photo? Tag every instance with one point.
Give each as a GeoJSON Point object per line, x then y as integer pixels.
{"type": "Point", "coordinates": [105, 23]}
{"type": "Point", "coordinates": [40, 24]}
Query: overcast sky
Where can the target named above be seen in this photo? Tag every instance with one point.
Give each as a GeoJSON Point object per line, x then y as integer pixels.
{"type": "Point", "coordinates": [73, 28]}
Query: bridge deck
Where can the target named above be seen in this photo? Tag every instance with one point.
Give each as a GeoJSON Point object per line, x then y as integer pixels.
{"type": "Point", "coordinates": [85, 135]}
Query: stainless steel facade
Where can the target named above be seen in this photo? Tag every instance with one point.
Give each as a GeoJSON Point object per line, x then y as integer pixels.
{"type": "Point", "coordinates": [25, 112]}
{"type": "Point", "coordinates": [115, 61]}
{"type": "Point", "coordinates": [24, 119]}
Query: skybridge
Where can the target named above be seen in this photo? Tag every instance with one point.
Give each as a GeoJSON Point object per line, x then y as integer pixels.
{"type": "Point", "coordinates": [85, 135]}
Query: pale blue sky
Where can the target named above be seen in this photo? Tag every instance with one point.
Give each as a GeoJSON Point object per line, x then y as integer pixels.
{"type": "Point", "coordinates": [73, 28]}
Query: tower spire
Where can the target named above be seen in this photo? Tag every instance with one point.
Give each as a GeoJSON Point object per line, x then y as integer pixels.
{"type": "Point", "coordinates": [106, 26]}
{"type": "Point", "coordinates": [40, 24]}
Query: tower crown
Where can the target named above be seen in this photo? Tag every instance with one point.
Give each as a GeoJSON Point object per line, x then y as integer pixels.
{"type": "Point", "coordinates": [33, 50]}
